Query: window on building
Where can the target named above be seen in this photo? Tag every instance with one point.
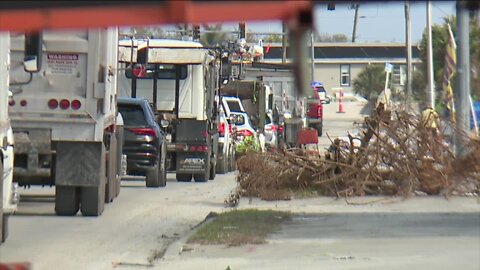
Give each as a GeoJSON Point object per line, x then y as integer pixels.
{"type": "Point", "coordinates": [345, 75]}
{"type": "Point", "coordinates": [399, 75]}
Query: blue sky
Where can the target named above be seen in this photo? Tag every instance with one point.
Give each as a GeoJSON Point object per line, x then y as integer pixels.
{"type": "Point", "coordinates": [379, 21]}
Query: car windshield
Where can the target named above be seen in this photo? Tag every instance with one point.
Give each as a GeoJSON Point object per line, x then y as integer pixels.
{"type": "Point", "coordinates": [132, 115]}
{"type": "Point", "coordinates": [234, 106]}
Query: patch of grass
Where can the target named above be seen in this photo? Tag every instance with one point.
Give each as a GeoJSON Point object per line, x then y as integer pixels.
{"type": "Point", "coordinates": [240, 227]}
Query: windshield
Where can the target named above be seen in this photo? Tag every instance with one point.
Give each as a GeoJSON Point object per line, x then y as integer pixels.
{"type": "Point", "coordinates": [164, 72]}
{"type": "Point", "coordinates": [234, 106]}
{"type": "Point", "coordinates": [132, 115]}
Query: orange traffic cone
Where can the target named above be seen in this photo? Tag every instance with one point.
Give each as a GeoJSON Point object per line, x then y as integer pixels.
{"type": "Point", "coordinates": [340, 105]}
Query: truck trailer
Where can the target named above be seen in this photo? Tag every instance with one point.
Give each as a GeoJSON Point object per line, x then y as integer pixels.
{"type": "Point", "coordinates": [180, 79]}
{"type": "Point", "coordinates": [64, 116]}
{"type": "Point", "coordinates": [9, 193]}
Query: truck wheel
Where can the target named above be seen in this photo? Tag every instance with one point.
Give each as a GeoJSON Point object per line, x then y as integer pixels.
{"type": "Point", "coordinates": [213, 171]}
{"type": "Point", "coordinates": [232, 161]}
{"type": "Point", "coordinates": [183, 177]}
{"type": "Point", "coordinates": [319, 128]}
{"type": "Point", "coordinates": [222, 164]}
{"type": "Point", "coordinates": [203, 177]}
{"type": "Point", "coordinates": [93, 200]}
{"type": "Point", "coordinates": [111, 166]}
{"type": "Point", "coordinates": [152, 176]}
{"type": "Point", "coordinates": [67, 200]}
{"type": "Point", "coordinates": [4, 227]}
{"type": "Point", "coordinates": [162, 174]}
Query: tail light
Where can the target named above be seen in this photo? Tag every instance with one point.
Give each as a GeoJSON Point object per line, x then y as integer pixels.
{"type": "Point", "coordinates": [76, 104]}
{"type": "Point", "coordinates": [202, 148]}
{"type": "Point", "coordinates": [52, 104]}
{"type": "Point", "coordinates": [221, 129]}
{"type": "Point", "coordinates": [64, 104]}
{"type": "Point", "coordinates": [271, 128]}
{"type": "Point", "coordinates": [143, 131]}
{"type": "Point", "coordinates": [281, 128]}
{"type": "Point", "coordinates": [245, 132]}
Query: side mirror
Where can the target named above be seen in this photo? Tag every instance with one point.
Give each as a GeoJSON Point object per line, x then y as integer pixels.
{"type": "Point", "coordinates": [33, 52]}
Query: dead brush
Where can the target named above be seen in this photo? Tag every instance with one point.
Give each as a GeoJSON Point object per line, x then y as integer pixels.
{"type": "Point", "coordinates": [396, 157]}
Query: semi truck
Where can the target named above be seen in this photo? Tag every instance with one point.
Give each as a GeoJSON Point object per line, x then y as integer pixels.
{"type": "Point", "coordinates": [64, 116]}
{"type": "Point", "coordinates": [180, 79]}
{"type": "Point", "coordinates": [9, 192]}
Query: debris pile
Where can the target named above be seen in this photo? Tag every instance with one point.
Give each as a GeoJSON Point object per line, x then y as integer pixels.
{"type": "Point", "coordinates": [396, 155]}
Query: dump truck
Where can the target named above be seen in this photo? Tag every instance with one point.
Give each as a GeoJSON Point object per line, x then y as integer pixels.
{"type": "Point", "coordinates": [64, 116]}
{"type": "Point", "coordinates": [180, 79]}
{"type": "Point", "coordinates": [9, 192]}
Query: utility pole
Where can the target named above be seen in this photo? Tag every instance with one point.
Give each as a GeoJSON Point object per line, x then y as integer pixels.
{"type": "Point", "coordinates": [355, 21]}
{"type": "Point", "coordinates": [408, 47]}
{"type": "Point", "coordinates": [462, 94]}
{"type": "Point", "coordinates": [284, 44]}
{"type": "Point", "coordinates": [313, 56]}
{"type": "Point", "coordinates": [431, 82]}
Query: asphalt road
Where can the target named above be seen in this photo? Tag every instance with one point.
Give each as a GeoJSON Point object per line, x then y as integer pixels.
{"type": "Point", "coordinates": [132, 231]}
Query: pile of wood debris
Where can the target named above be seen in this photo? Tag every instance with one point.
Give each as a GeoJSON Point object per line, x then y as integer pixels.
{"type": "Point", "coordinates": [394, 157]}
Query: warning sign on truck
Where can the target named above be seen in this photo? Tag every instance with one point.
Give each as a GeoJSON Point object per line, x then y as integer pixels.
{"type": "Point", "coordinates": [62, 63]}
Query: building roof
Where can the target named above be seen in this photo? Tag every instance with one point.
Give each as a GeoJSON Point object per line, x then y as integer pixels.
{"type": "Point", "coordinates": [350, 51]}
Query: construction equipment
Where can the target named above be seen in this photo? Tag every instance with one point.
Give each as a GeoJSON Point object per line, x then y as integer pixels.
{"type": "Point", "coordinates": [64, 114]}
{"type": "Point", "coordinates": [184, 99]}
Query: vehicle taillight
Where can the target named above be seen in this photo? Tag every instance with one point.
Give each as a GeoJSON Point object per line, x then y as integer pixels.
{"type": "Point", "coordinates": [280, 129]}
{"type": "Point", "coordinates": [221, 129]}
{"type": "Point", "coordinates": [272, 128]}
{"type": "Point", "coordinates": [202, 148]}
{"type": "Point", "coordinates": [23, 103]}
{"type": "Point", "coordinates": [64, 104]}
{"type": "Point", "coordinates": [192, 148]}
{"type": "Point", "coordinates": [245, 132]}
{"type": "Point", "coordinates": [76, 104]}
{"type": "Point", "coordinates": [52, 104]}
{"type": "Point", "coordinates": [143, 131]}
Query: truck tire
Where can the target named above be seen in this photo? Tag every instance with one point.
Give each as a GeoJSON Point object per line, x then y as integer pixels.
{"type": "Point", "coordinates": [319, 128]}
{"type": "Point", "coordinates": [111, 169]}
{"type": "Point", "coordinates": [183, 177]}
{"type": "Point", "coordinates": [232, 162]}
{"type": "Point", "coordinates": [222, 164]}
{"type": "Point", "coordinates": [213, 171]}
{"type": "Point", "coordinates": [203, 177]}
{"type": "Point", "coordinates": [67, 201]}
{"type": "Point", "coordinates": [4, 227]}
{"type": "Point", "coordinates": [93, 200]}
{"type": "Point", "coordinates": [163, 165]}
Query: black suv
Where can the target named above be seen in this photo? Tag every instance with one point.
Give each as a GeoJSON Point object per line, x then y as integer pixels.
{"type": "Point", "coordinates": [144, 142]}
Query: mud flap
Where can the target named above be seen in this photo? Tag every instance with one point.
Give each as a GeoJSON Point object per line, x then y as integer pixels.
{"type": "Point", "coordinates": [79, 164]}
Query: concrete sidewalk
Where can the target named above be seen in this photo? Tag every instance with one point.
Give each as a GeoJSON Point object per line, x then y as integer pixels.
{"type": "Point", "coordinates": [366, 233]}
